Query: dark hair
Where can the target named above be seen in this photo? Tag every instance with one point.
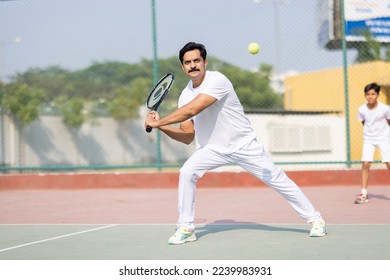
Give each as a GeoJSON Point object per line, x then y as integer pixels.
{"type": "Point", "coordinates": [190, 47]}
{"type": "Point", "coordinates": [371, 86]}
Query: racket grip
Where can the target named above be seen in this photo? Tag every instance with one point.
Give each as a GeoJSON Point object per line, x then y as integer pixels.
{"type": "Point", "coordinates": [148, 128]}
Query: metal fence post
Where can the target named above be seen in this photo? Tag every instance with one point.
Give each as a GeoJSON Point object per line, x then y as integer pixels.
{"type": "Point", "coordinates": [155, 77]}
{"type": "Point", "coordinates": [346, 97]}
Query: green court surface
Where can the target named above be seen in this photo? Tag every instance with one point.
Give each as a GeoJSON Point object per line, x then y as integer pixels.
{"type": "Point", "coordinates": [215, 242]}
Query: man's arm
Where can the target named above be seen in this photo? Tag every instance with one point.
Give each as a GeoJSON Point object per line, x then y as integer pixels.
{"type": "Point", "coordinates": [185, 133]}
{"type": "Point", "coordinates": [191, 109]}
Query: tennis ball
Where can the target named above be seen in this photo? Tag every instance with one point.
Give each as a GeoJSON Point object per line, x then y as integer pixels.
{"type": "Point", "coordinates": [253, 48]}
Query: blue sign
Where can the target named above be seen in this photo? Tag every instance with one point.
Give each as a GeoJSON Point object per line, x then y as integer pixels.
{"type": "Point", "coordinates": [367, 15]}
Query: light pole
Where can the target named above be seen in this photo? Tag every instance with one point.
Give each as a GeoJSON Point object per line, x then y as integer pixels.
{"type": "Point", "coordinates": [277, 36]}
{"type": "Point", "coordinates": [16, 40]}
{"type": "Point", "coordinates": [2, 44]}
{"type": "Point", "coordinates": [2, 139]}
{"type": "Point", "coordinates": [276, 4]}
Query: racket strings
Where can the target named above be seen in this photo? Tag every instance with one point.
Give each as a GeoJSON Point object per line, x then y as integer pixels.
{"type": "Point", "coordinates": [159, 91]}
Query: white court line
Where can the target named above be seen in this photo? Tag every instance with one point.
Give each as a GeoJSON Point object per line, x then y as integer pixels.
{"type": "Point", "coordinates": [53, 238]}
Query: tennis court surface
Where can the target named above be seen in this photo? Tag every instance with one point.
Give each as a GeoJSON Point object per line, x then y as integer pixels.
{"type": "Point", "coordinates": [235, 226]}
{"type": "Point", "coordinates": [232, 223]}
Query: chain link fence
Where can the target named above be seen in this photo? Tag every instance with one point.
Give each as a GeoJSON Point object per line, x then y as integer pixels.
{"type": "Point", "coordinates": [74, 77]}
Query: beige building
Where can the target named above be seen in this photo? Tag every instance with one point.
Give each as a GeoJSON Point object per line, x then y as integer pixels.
{"type": "Point", "coordinates": [325, 91]}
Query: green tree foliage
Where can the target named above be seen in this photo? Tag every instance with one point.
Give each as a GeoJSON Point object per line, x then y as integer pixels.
{"type": "Point", "coordinates": [22, 101]}
{"type": "Point", "coordinates": [126, 100]}
{"type": "Point", "coordinates": [253, 88]}
{"type": "Point", "coordinates": [72, 112]}
{"type": "Point", "coordinates": [53, 80]}
{"type": "Point", "coordinates": [371, 49]}
{"type": "Point", "coordinates": [2, 94]}
{"type": "Point", "coordinates": [119, 89]}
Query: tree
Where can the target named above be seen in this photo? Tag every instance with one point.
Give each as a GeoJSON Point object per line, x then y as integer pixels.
{"type": "Point", "coordinates": [119, 89]}
{"type": "Point", "coordinates": [253, 88]}
{"type": "Point", "coordinates": [72, 112]}
{"type": "Point", "coordinates": [371, 49]}
{"type": "Point", "coordinates": [128, 99]}
{"type": "Point", "coordinates": [23, 102]}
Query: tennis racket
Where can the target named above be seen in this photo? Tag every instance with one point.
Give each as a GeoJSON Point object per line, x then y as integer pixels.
{"type": "Point", "coordinates": [158, 94]}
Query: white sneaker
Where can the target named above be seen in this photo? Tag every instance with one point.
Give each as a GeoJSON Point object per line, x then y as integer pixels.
{"type": "Point", "coordinates": [182, 236]}
{"type": "Point", "coordinates": [361, 198]}
{"type": "Point", "coordinates": [318, 228]}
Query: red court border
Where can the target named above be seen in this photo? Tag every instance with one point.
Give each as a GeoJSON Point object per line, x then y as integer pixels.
{"type": "Point", "coordinates": [378, 177]}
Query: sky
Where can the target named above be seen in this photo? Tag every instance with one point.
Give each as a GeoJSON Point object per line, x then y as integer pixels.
{"type": "Point", "coordinates": [73, 34]}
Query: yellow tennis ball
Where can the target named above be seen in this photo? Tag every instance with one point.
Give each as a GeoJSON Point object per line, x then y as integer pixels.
{"type": "Point", "coordinates": [253, 48]}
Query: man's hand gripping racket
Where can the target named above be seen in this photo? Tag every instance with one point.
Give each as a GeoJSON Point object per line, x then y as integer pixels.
{"type": "Point", "coordinates": [158, 94]}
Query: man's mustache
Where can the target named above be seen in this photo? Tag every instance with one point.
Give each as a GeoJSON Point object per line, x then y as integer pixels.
{"type": "Point", "coordinates": [193, 70]}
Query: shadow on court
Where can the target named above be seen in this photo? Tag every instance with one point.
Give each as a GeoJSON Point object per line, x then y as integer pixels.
{"type": "Point", "coordinates": [376, 196]}
{"type": "Point", "coordinates": [229, 225]}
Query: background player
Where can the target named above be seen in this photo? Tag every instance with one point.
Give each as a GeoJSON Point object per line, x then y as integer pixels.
{"type": "Point", "coordinates": [375, 117]}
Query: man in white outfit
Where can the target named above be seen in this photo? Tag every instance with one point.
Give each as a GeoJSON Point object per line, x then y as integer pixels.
{"type": "Point", "coordinates": [210, 109]}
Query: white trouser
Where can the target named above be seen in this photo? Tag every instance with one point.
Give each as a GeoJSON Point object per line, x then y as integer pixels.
{"type": "Point", "coordinates": [253, 159]}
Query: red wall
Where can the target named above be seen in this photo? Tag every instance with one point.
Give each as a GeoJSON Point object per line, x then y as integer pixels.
{"type": "Point", "coordinates": [169, 180]}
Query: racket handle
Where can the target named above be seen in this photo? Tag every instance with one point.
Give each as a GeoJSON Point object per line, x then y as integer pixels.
{"type": "Point", "coordinates": [148, 128]}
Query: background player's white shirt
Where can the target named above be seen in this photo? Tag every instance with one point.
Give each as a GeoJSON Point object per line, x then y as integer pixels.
{"type": "Point", "coordinates": [222, 127]}
{"type": "Point", "coordinates": [376, 129]}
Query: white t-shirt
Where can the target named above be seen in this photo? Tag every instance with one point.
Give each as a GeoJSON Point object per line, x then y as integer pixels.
{"type": "Point", "coordinates": [376, 129]}
{"type": "Point", "coordinates": [223, 127]}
